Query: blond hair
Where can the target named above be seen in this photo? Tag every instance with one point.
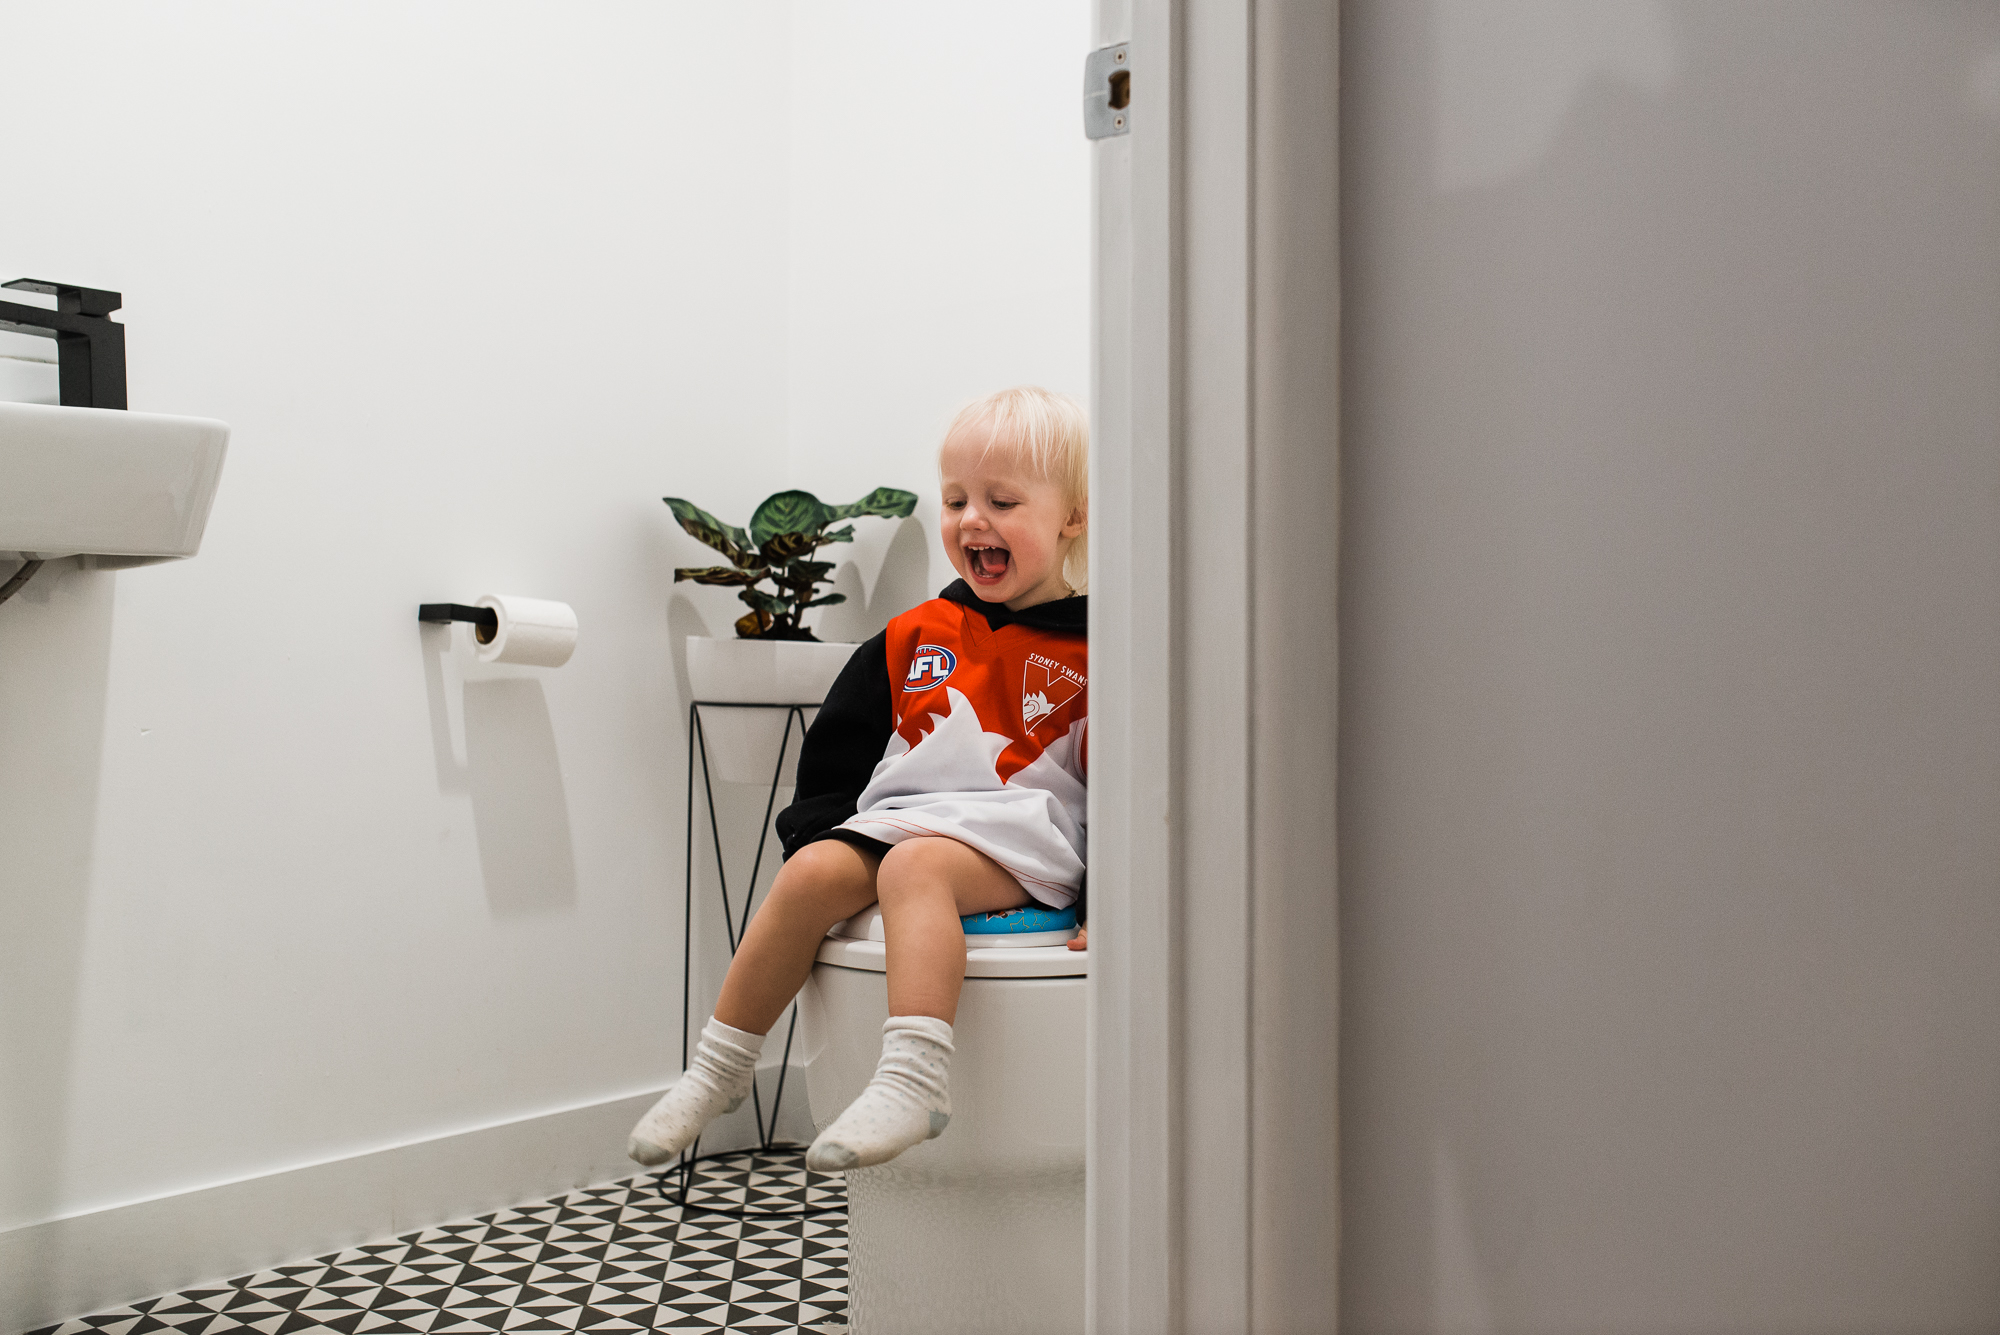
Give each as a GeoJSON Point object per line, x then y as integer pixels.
{"type": "Point", "coordinates": [1050, 434]}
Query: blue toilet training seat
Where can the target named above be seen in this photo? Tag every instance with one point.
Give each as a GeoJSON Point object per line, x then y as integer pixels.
{"type": "Point", "coordinates": [1030, 925]}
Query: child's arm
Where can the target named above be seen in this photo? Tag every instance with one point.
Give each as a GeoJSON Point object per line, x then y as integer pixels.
{"type": "Point", "coordinates": [842, 748]}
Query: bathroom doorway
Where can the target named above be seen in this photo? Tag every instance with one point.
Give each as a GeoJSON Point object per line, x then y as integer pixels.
{"type": "Point", "coordinates": [1214, 1202]}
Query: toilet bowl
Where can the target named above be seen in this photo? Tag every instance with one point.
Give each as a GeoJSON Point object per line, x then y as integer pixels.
{"type": "Point", "coordinates": [981, 1229]}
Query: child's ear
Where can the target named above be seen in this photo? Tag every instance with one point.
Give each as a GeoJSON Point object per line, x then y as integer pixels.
{"type": "Point", "coordinates": [1078, 521]}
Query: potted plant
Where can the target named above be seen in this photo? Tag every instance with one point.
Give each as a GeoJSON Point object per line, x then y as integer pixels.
{"type": "Point", "coordinates": [775, 658]}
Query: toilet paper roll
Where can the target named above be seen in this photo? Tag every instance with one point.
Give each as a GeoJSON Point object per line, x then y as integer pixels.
{"type": "Point", "coordinates": [534, 631]}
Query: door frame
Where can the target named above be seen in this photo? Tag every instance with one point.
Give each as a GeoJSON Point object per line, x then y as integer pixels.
{"type": "Point", "coordinates": [1213, 1199]}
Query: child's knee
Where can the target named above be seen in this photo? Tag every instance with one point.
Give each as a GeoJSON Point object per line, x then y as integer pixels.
{"type": "Point", "coordinates": [922, 856]}
{"type": "Point", "coordinates": [821, 860]}
{"type": "Point", "coordinates": [827, 877]}
{"type": "Point", "coordinates": [930, 862]}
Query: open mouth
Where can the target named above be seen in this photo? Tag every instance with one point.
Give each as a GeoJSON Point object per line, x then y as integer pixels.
{"type": "Point", "coordinates": [988, 563]}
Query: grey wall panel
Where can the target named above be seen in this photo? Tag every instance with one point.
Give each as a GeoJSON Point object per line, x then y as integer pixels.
{"type": "Point", "coordinates": [1670, 662]}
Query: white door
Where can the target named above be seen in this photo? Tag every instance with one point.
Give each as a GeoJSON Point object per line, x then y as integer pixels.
{"type": "Point", "coordinates": [1670, 733]}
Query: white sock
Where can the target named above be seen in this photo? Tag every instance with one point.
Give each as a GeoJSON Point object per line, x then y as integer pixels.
{"type": "Point", "coordinates": [908, 1100]}
{"type": "Point", "coordinates": [715, 1082]}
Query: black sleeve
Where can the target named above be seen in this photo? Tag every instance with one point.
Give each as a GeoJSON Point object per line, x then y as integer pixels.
{"type": "Point", "coordinates": [842, 748]}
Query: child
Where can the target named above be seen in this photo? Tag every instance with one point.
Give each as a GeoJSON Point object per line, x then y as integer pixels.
{"type": "Point", "coordinates": [944, 776]}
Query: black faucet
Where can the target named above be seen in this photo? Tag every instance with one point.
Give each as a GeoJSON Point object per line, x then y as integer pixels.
{"type": "Point", "coordinates": [90, 345]}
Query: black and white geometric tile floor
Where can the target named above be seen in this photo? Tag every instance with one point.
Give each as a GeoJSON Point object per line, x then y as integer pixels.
{"type": "Point", "coordinates": [619, 1258]}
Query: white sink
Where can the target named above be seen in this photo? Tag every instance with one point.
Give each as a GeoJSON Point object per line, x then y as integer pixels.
{"type": "Point", "coordinates": [132, 487]}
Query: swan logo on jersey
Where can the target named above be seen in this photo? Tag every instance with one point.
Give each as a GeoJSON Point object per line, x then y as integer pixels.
{"type": "Point", "coordinates": [1046, 686]}
{"type": "Point", "coordinates": [931, 664]}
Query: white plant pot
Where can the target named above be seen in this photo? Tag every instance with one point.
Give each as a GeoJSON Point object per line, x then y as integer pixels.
{"type": "Point", "coordinates": [742, 744]}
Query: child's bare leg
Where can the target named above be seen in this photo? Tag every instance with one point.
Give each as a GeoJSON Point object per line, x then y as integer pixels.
{"type": "Point", "coordinates": [925, 885]}
{"type": "Point", "coordinates": [817, 887]}
{"type": "Point", "coordinates": [820, 885]}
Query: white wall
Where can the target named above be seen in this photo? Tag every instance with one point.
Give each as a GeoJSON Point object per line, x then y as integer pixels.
{"type": "Point", "coordinates": [283, 877]}
{"type": "Point", "coordinates": [939, 246]}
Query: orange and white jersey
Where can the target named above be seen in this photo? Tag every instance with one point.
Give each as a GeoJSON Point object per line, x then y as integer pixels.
{"type": "Point", "coordinates": [984, 724]}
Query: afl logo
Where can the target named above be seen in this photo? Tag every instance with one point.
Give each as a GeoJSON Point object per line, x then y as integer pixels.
{"type": "Point", "coordinates": [931, 665]}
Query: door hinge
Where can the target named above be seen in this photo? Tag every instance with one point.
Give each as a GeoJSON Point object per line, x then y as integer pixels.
{"type": "Point", "coordinates": [1107, 92]}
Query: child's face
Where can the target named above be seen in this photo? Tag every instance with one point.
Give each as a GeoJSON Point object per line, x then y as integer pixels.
{"type": "Point", "coordinates": [1005, 529]}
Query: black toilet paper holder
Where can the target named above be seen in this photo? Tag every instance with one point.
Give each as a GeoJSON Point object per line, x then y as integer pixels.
{"type": "Point", "coordinates": [485, 618]}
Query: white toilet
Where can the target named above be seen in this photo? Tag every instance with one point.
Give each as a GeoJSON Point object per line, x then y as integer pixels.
{"type": "Point", "coordinates": [981, 1229]}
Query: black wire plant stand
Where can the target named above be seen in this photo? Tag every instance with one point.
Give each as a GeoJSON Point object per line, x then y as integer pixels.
{"type": "Point", "coordinates": [734, 924]}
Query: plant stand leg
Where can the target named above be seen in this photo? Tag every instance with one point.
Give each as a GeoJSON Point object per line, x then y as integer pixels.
{"type": "Point", "coordinates": [698, 747]}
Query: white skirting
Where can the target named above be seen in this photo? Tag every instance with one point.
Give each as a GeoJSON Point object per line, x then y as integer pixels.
{"type": "Point", "coordinates": [84, 1263]}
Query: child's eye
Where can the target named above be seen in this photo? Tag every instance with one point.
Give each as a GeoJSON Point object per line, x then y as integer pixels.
{"type": "Point", "coordinates": [954, 505]}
